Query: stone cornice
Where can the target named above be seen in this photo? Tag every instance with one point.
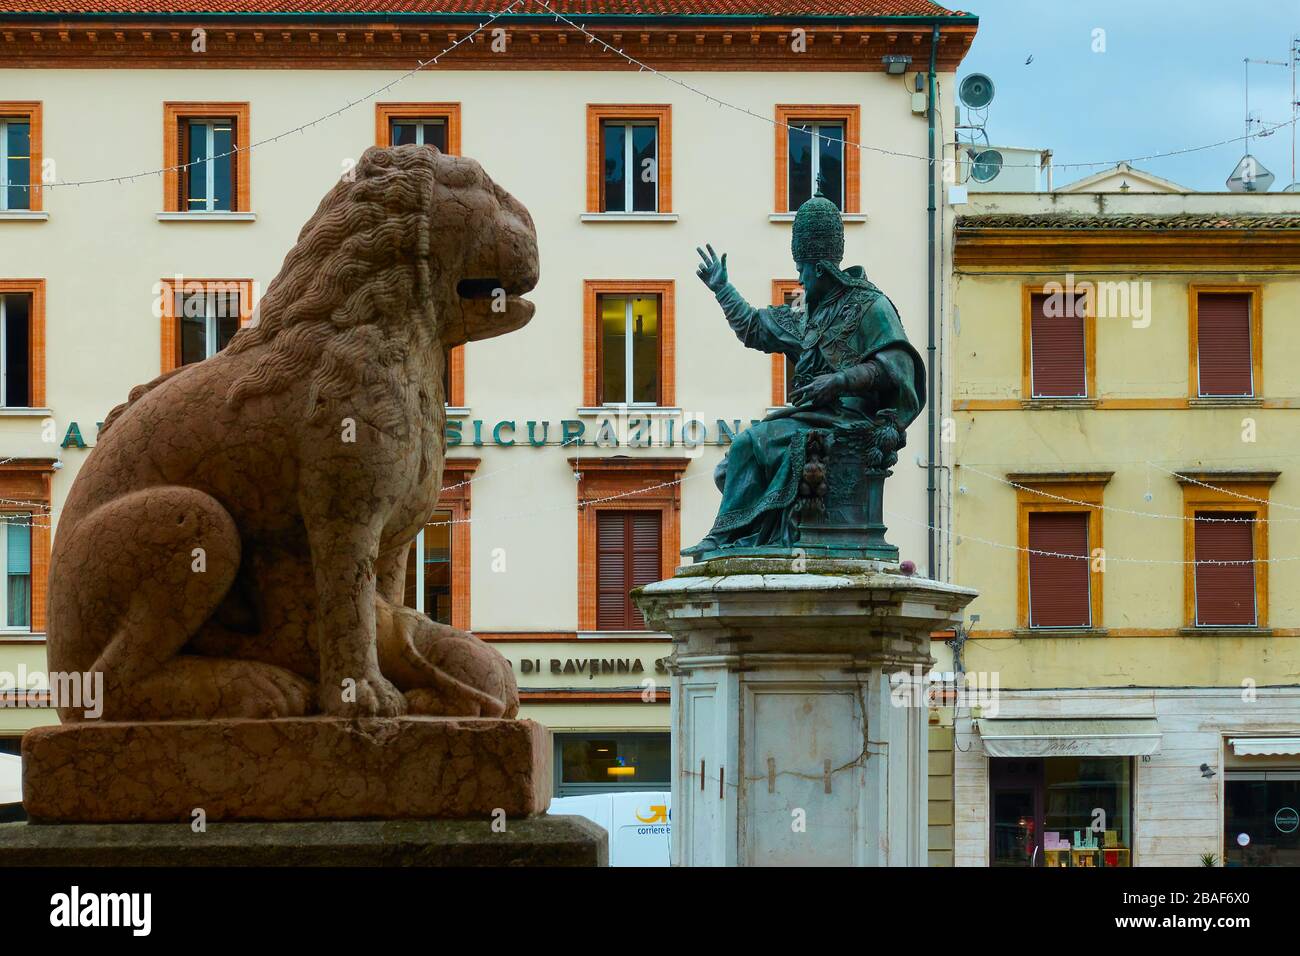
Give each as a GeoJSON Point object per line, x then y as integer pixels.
{"type": "Point", "coordinates": [533, 43]}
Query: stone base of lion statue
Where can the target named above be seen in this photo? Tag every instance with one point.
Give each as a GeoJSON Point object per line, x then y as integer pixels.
{"type": "Point", "coordinates": [306, 768]}
{"type": "Point", "coordinates": [423, 791]}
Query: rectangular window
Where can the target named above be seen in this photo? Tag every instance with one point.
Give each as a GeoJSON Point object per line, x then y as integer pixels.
{"type": "Point", "coordinates": [207, 154]}
{"type": "Point", "coordinates": [1044, 811]}
{"type": "Point", "coordinates": [209, 176]}
{"type": "Point", "coordinates": [418, 132]}
{"type": "Point", "coordinates": [428, 569]}
{"type": "Point", "coordinates": [16, 560]}
{"type": "Point", "coordinates": [1058, 346]}
{"type": "Point", "coordinates": [816, 160]}
{"type": "Point", "coordinates": [15, 163]}
{"type": "Point", "coordinates": [207, 322]}
{"type": "Point", "coordinates": [629, 349]}
{"type": "Point", "coordinates": [1262, 804]}
{"type": "Point", "coordinates": [1059, 584]}
{"type": "Point", "coordinates": [1225, 570]}
{"type": "Point", "coordinates": [600, 763]}
{"type": "Point", "coordinates": [630, 150]}
{"type": "Point", "coordinates": [1223, 344]}
{"type": "Point", "coordinates": [627, 557]}
{"type": "Point", "coordinates": [15, 350]}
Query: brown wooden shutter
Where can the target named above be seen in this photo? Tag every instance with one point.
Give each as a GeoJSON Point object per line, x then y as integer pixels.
{"type": "Point", "coordinates": [182, 171]}
{"type": "Point", "coordinates": [1056, 345]}
{"type": "Point", "coordinates": [645, 558]}
{"type": "Point", "coordinates": [1059, 593]}
{"type": "Point", "coordinates": [1225, 593]}
{"type": "Point", "coordinates": [1223, 343]}
{"type": "Point", "coordinates": [627, 556]}
{"type": "Point", "coordinates": [611, 571]}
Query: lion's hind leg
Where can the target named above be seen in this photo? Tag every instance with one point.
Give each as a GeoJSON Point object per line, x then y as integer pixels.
{"type": "Point", "coordinates": [147, 570]}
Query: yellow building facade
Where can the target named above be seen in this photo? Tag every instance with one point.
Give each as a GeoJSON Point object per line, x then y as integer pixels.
{"type": "Point", "coordinates": [1124, 380]}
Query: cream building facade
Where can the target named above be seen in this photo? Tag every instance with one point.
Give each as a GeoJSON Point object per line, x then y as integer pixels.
{"type": "Point", "coordinates": [1125, 495]}
{"type": "Point", "coordinates": [556, 499]}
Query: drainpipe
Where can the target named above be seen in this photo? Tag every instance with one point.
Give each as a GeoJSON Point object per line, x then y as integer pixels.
{"type": "Point", "coordinates": [930, 351]}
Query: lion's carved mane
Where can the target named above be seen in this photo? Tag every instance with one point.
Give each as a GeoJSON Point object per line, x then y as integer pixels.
{"type": "Point", "coordinates": [352, 296]}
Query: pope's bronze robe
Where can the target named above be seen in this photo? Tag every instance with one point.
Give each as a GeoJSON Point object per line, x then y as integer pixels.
{"type": "Point", "coordinates": [759, 478]}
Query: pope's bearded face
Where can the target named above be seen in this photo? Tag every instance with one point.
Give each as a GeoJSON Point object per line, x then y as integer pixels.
{"type": "Point", "coordinates": [816, 281]}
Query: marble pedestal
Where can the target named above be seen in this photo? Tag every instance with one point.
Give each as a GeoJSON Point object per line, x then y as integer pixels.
{"type": "Point", "coordinates": [790, 747]}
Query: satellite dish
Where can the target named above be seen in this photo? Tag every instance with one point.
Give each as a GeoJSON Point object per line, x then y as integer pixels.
{"type": "Point", "coordinates": [1250, 176]}
{"type": "Point", "coordinates": [985, 165]}
{"type": "Point", "coordinates": [1293, 188]}
{"type": "Point", "coordinates": [976, 91]}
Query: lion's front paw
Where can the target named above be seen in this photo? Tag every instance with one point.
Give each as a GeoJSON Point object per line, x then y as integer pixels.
{"type": "Point", "coordinates": [370, 696]}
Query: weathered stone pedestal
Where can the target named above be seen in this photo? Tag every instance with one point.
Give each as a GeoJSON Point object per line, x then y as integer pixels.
{"type": "Point", "coordinates": [788, 746]}
{"type": "Point", "coordinates": [422, 791]}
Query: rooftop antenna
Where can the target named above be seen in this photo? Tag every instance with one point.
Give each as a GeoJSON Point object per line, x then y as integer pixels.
{"type": "Point", "coordinates": [1249, 175]}
{"type": "Point", "coordinates": [1295, 109]}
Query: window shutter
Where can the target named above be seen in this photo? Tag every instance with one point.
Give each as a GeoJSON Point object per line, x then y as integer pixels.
{"type": "Point", "coordinates": [645, 558]}
{"type": "Point", "coordinates": [18, 545]}
{"type": "Point", "coordinates": [1225, 593]}
{"type": "Point", "coordinates": [1059, 594]}
{"type": "Point", "coordinates": [1223, 343]}
{"type": "Point", "coordinates": [611, 571]}
{"type": "Point", "coordinates": [627, 556]}
{"type": "Point", "coordinates": [182, 171]}
{"type": "Point", "coordinates": [1056, 345]}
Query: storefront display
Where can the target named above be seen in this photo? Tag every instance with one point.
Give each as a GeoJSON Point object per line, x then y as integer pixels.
{"type": "Point", "coordinates": [1061, 811]}
{"type": "Point", "coordinates": [1261, 818]}
{"type": "Point", "coordinates": [602, 763]}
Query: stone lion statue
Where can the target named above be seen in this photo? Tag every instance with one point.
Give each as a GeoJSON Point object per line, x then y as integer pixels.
{"type": "Point", "coordinates": [236, 543]}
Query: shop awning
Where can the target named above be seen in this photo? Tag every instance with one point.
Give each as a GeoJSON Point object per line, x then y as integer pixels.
{"type": "Point", "coordinates": [1070, 737]}
{"type": "Point", "coordinates": [1265, 746]}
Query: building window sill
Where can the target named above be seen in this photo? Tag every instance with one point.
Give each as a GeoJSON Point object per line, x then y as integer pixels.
{"type": "Point", "coordinates": [1037, 632]}
{"type": "Point", "coordinates": [1225, 401]}
{"type": "Point", "coordinates": [1225, 630]}
{"type": "Point", "coordinates": [1057, 403]}
{"type": "Point", "coordinates": [629, 217]}
{"type": "Point", "coordinates": [207, 217]}
{"type": "Point", "coordinates": [458, 411]}
{"type": "Point", "coordinates": [850, 218]}
{"type": "Point", "coordinates": [630, 411]}
{"type": "Point", "coordinates": [25, 413]}
{"type": "Point", "coordinates": [23, 215]}
{"type": "Point", "coordinates": [21, 637]}
{"type": "Point", "coordinates": [630, 635]}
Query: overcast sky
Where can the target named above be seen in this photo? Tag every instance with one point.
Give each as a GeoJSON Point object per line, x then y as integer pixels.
{"type": "Point", "coordinates": [1171, 76]}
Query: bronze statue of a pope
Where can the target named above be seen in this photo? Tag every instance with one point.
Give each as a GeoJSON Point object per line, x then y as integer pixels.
{"type": "Point", "coordinates": [809, 475]}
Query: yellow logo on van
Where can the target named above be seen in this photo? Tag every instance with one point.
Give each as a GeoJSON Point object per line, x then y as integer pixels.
{"type": "Point", "coordinates": [658, 814]}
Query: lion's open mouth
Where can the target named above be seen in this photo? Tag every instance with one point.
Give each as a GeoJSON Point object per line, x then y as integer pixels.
{"type": "Point", "coordinates": [478, 288]}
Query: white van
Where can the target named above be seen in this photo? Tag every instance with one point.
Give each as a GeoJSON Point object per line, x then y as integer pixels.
{"type": "Point", "coordinates": [639, 824]}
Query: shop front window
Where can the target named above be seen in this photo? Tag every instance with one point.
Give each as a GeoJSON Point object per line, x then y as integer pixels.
{"type": "Point", "coordinates": [1261, 818]}
{"type": "Point", "coordinates": [1061, 811]}
{"type": "Point", "coordinates": [606, 763]}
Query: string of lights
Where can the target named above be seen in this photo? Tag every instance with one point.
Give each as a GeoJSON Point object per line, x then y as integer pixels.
{"type": "Point", "coordinates": [420, 65]}
{"type": "Point", "coordinates": [643, 67]}
{"type": "Point", "coordinates": [1104, 559]}
{"type": "Point", "coordinates": [884, 151]}
{"type": "Point", "coordinates": [1128, 511]}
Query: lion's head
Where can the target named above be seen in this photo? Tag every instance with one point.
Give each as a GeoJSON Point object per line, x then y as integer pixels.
{"type": "Point", "coordinates": [415, 250]}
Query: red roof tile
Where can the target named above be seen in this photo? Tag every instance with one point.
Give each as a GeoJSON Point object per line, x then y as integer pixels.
{"type": "Point", "coordinates": [752, 8]}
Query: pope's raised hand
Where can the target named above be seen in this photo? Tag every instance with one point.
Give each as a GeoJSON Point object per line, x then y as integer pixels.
{"type": "Point", "coordinates": [712, 270]}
